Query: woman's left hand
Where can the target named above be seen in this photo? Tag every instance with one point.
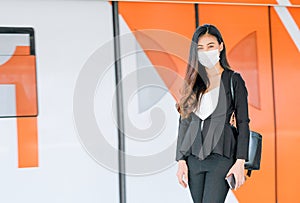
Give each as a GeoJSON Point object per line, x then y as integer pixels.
{"type": "Point", "coordinates": [238, 171]}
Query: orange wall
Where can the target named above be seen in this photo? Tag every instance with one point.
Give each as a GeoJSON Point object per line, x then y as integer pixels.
{"type": "Point", "coordinates": [248, 48]}
{"type": "Point", "coordinates": [250, 45]}
{"type": "Point", "coordinates": [286, 60]}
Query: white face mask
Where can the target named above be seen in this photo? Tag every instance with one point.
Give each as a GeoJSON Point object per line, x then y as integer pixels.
{"type": "Point", "coordinates": [209, 58]}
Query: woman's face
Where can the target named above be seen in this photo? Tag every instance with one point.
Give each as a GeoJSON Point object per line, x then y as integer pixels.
{"type": "Point", "coordinates": [209, 42]}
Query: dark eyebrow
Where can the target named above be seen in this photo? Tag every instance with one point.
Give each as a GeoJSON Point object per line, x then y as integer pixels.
{"type": "Point", "coordinates": [210, 43]}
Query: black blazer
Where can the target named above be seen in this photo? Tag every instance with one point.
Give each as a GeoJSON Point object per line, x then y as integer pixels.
{"type": "Point", "coordinates": [217, 135]}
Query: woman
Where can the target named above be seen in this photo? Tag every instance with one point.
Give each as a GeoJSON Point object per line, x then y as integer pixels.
{"type": "Point", "coordinates": [208, 150]}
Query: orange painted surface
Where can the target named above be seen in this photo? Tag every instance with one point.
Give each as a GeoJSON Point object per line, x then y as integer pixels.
{"type": "Point", "coordinates": [172, 17]}
{"type": "Point", "coordinates": [161, 47]}
{"type": "Point", "coordinates": [27, 142]}
{"type": "Point", "coordinates": [286, 59]}
{"type": "Point", "coordinates": [249, 52]}
{"type": "Point", "coordinates": [229, 2]}
{"type": "Point", "coordinates": [20, 70]}
{"type": "Point", "coordinates": [247, 36]}
{"type": "Point", "coordinates": [248, 48]}
{"type": "Point", "coordinates": [295, 2]}
{"type": "Point", "coordinates": [22, 50]}
{"type": "Point", "coordinates": [233, 1]}
{"type": "Point", "coordinates": [295, 14]}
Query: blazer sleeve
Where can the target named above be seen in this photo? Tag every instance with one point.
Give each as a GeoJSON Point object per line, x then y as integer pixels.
{"type": "Point", "coordinates": [242, 117]}
{"type": "Point", "coordinates": [182, 128]}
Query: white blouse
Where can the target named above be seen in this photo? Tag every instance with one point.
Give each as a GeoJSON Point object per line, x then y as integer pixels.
{"type": "Point", "coordinates": [208, 103]}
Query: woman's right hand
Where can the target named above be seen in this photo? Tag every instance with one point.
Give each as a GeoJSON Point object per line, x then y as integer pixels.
{"type": "Point", "coordinates": [182, 173]}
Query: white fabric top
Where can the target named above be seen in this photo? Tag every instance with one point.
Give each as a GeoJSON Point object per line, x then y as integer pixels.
{"type": "Point", "coordinates": [208, 103]}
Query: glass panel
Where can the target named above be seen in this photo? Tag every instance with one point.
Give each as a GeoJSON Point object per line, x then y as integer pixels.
{"type": "Point", "coordinates": [18, 95]}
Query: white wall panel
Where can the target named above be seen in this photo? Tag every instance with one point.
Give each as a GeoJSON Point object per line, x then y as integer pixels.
{"type": "Point", "coordinates": [67, 33]}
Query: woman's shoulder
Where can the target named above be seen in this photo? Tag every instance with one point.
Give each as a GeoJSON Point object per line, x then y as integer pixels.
{"type": "Point", "coordinates": [234, 76]}
{"type": "Point", "coordinates": [237, 77]}
{"type": "Point", "coordinates": [239, 83]}
{"type": "Point", "coordinates": [230, 73]}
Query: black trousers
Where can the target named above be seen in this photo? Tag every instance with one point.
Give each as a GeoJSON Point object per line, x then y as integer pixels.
{"type": "Point", "coordinates": [207, 182]}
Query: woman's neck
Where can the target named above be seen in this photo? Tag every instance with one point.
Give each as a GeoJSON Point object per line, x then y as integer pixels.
{"type": "Point", "coordinates": [212, 72]}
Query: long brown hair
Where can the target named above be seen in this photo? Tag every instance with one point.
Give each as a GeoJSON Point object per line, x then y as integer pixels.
{"type": "Point", "coordinates": [196, 80]}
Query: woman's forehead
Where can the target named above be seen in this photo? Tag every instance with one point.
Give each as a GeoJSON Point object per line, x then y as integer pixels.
{"type": "Point", "coordinates": [207, 39]}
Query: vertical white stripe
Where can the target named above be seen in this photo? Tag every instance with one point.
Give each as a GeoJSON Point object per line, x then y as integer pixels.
{"type": "Point", "coordinates": [284, 2]}
{"type": "Point", "coordinates": [288, 21]}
